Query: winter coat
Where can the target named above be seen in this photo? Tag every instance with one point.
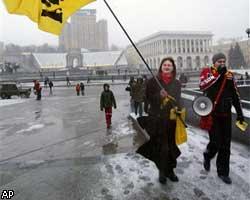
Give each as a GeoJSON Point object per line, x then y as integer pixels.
{"type": "Point", "coordinates": [161, 147]}
{"type": "Point", "coordinates": [131, 88]}
{"type": "Point", "coordinates": [51, 84]}
{"type": "Point", "coordinates": [107, 100]}
{"type": "Point", "coordinates": [138, 92]}
{"type": "Point", "coordinates": [230, 95]}
{"type": "Point", "coordinates": [78, 87]}
{"type": "Point", "coordinates": [82, 86]}
{"type": "Point", "coordinates": [37, 87]}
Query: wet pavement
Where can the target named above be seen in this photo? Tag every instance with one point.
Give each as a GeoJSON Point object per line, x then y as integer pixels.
{"type": "Point", "coordinates": [59, 148]}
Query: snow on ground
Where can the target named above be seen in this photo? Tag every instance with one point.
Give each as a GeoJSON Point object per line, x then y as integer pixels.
{"type": "Point", "coordinates": [31, 128]}
{"type": "Point", "coordinates": [137, 178]}
{"type": "Point", "coordinates": [123, 130]}
{"type": "Point", "coordinates": [7, 102]}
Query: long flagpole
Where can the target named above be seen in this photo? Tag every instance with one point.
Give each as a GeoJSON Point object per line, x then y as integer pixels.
{"type": "Point", "coordinates": [139, 53]}
{"type": "Point", "coordinates": [137, 50]}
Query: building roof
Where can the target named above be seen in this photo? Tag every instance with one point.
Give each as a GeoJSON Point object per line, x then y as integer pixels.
{"type": "Point", "coordinates": [50, 60]}
{"type": "Point", "coordinates": [172, 33]}
{"type": "Point", "coordinates": [90, 59]}
{"type": "Point", "coordinates": [107, 58]}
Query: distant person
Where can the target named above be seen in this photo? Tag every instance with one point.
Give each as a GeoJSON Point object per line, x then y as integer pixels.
{"type": "Point", "coordinates": [38, 90]}
{"type": "Point", "coordinates": [130, 89]}
{"type": "Point", "coordinates": [41, 75]}
{"type": "Point", "coordinates": [241, 80]}
{"type": "Point", "coordinates": [146, 105]}
{"type": "Point", "coordinates": [138, 96]}
{"type": "Point", "coordinates": [50, 87]}
{"type": "Point", "coordinates": [68, 82]}
{"type": "Point", "coordinates": [46, 81]}
{"type": "Point", "coordinates": [82, 87]}
{"type": "Point", "coordinates": [88, 80]}
{"type": "Point", "coordinates": [107, 101]}
{"type": "Point", "coordinates": [183, 79]}
{"type": "Point", "coordinates": [247, 78]}
{"type": "Point", "coordinates": [78, 88]}
{"type": "Point", "coordinates": [54, 75]}
{"type": "Point", "coordinates": [124, 77]}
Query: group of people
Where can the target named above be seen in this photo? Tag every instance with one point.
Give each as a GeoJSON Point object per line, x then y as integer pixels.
{"type": "Point", "coordinates": [38, 88]}
{"type": "Point", "coordinates": [136, 89]}
{"type": "Point", "coordinates": [161, 147]}
{"type": "Point", "coordinates": [80, 87]}
{"type": "Point", "coordinates": [246, 80]}
{"type": "Point", "coordinates": [158, 103]}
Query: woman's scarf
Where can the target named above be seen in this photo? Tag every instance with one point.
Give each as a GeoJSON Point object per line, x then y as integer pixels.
{"type": "Point", "coordinates": [166, 77]}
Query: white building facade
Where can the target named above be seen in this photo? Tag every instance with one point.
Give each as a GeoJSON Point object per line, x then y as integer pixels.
{"type": "Point", "coordinates": [190, 50]}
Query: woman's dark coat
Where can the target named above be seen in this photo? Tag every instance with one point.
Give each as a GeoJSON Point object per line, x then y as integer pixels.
{"type": "Point", "coordinates": [161, 148]}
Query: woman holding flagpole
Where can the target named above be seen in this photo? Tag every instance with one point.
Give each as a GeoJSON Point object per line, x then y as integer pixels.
{"type": "Point", "coordinates": [162, 148]}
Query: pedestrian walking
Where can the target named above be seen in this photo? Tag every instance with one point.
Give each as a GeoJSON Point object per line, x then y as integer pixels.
{"type": "Point", "coordinates": [68, 81]}
{"type": "Point", "coordinates": [183, 79]}
{"type": "Point", "coordinates": [107, 101]}
{"type": "Point", "coordinates": [78, 88]}
{"type": "Point", "coordinates": [217, 81]}
{"type": "Point", "coordinates": [51, 87]}
{"type": "Point", "coordinates": [130, 89]}
{"type": "Point", "coordinates": [82, 87]}
{"type": "Point", "coordinates": [38, 90]}
{"type": "Point", "coordinates": [247, 79]}
{"type": "Point", "coordinates": [138, 96]}
{"type": "Point", "coordinates": [161, 147]}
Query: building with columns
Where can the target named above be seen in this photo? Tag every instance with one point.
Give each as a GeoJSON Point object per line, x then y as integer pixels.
{"type": "Point", "coordinates": [190, 49]}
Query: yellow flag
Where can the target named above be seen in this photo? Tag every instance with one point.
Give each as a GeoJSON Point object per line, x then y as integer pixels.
{"type": "Point", "coordinates": [50, 15]}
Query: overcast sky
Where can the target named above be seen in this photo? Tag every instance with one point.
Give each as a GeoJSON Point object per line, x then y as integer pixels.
{"type": "Point", "coordinates": [225, 18]}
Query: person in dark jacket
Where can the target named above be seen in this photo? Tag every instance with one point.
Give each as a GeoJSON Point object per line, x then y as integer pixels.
{"type": "Point", "coordinates": [145, 81]}
{"type": "Point", "coordinates": [162, 148]}
{"type": "Point", "coordinates": [50, 87]}
{"type": "Point", "coordinates": [220, 134]}
{"type": "Point", "coordinates": [138, 96]}
{"type": "Point", "coordinates": [82, 88]}
{"type": "Point", "coordinates": [183, 79]}
{"type": "Point", "coordinates": [107, 101]}
{"type": "Point", "coordinates": [247, 78]}
{"type": "Point", "coordinates": [68, 81]}
{"type": "Point", "coordinates": [130, 88]}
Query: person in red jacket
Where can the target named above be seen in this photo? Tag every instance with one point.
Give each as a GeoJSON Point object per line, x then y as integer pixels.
{"type": "Point", "coordinates": [211, 79]}
{"type": "Point", "coordinates": [78, 88]}
{"type": "Point", "coordinates": [38, 89]}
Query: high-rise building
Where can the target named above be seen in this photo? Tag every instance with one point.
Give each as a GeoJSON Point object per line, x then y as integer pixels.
{"type": "Point", "coordinates": [64, 38]}
{"type": "Point", "coordinates": [102, 34]}
{"type": "Point", "coordinates": [84, 32]}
